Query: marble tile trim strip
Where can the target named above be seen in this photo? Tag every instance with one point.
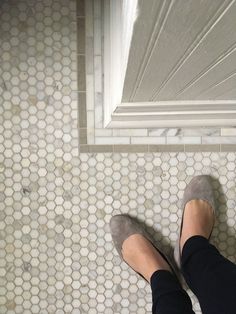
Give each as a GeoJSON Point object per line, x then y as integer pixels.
{"type": "Point", "coordinates": [82, 117]}
{"type": "Point", "coordinates": [202, 148]}
{"type": "Point", "coordinates": [80, 9]}
{"type": "Point", "coordinates": [228, 132]}
{"type": "Point", "coordinates": [228, 148]}
{"type": "Point", "coordinates": [81, 35]}
{"type": "Point", "coordinates": [81, 76]}
{"type": "Point", "coordinates": [157, 148]}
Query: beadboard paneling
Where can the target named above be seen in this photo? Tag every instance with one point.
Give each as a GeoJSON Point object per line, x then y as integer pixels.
{"type": "Point", "coordinates": [182, 50]}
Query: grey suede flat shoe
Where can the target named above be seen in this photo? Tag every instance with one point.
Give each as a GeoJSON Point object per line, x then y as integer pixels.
{"type": "Point", "coordinates": [199, 188]}
{"type": "Point", "coordinates": [123, 226]}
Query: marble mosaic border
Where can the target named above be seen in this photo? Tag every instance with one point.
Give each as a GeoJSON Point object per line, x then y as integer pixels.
{"type": "Point", "coordinates": [168, 140]}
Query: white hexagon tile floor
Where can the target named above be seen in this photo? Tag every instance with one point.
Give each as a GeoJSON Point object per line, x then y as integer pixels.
{"type": "Point", "coordinates": [56, 254]}
{"type": "Point", "coordinates": [56, 249]}
{"type": "Point", "coordinates": [150, 187]}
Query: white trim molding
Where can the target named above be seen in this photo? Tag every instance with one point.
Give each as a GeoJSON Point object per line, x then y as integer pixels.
{"type": "Point", "coordinates": [112, 57]}
{"type": "Point", "coordinates": [119, 18]}
{"type": "Point", "coordinates": [174, 114]}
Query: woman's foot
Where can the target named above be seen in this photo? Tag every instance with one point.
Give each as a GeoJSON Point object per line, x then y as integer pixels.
{"type": "Point", "coordinates": [141, 255]}
{"type": "Point", "coordinates": [134, 245]}
{"type": "Point", "coordinates": [198, 220]}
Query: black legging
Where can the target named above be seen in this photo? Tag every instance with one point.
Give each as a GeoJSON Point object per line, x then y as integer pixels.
{"type": "Point", "coordinates": [208, 274]}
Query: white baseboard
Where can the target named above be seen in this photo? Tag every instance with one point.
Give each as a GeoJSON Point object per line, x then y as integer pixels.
{"type": "Point", "coordinates": [174, 114]}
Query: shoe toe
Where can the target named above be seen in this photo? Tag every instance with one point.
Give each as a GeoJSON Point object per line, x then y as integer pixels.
{"type": "Point", "coordinates": [199, 188]}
